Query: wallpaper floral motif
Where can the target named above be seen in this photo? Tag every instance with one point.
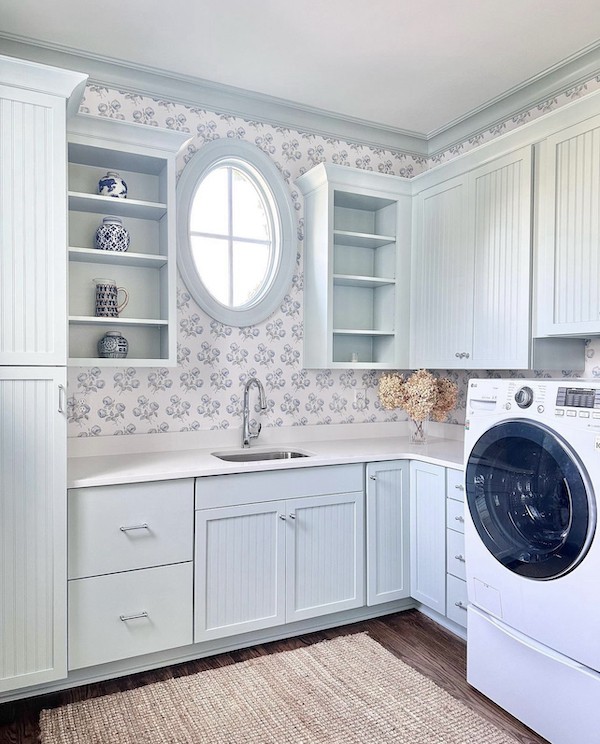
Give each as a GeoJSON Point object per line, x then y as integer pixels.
{"type": "Point", "coordinates": [215, 360]}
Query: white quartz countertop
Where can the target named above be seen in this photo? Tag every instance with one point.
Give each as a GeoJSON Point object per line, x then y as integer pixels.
{"type": "Point", "coordinates": [109, 468]}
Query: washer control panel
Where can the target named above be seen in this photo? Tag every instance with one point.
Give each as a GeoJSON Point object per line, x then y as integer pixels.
{"type": "Point", "coordinates": [573, 397]}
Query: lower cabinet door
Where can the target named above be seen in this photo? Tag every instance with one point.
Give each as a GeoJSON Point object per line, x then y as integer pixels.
{"type": "Point", "coordinates": [388, 575]}
{"type": "Point", "coordinates": [240, 569]}
{"type": "Point", "coordinates": [428, 535]}
{"type": "Point", "coordinates": [325, 555]}
{"type": "Point", "coordinates": [128, 614]}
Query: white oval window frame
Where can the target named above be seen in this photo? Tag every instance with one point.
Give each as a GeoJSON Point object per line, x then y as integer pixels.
{"type": "Point", "coordinates": [237, 153]}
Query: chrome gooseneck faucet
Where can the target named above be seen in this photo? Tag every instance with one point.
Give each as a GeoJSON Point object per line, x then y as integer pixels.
{"type": "Point", "coordinates": [247, 435]}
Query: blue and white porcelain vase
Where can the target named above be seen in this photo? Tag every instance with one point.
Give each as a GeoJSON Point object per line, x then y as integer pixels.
{"type": "Point", "coordinates": [111, 235]}
{"type": "Point", "coordinates": [112, 185]}
{"type": "Point", "coordinates": [113, 346]}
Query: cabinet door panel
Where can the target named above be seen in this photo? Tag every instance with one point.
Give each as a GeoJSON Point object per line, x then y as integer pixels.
{"type": "Point", "coordinates": [388, 575]}
{"type": "Point", "coordinates": [569, 231]}
{"type": "Point", "coordinates": [501, 201]}
{"type": "Point", "coordinates": [325, 555]}
{"type": "Point", "coordinates": [33, 542]}
{"type": "Point", "coordinates": [33, 238]}
{"type": "Point", "coordinates": [240, 569]}
{"type": "Point", "coordinates": [442, 277]}
{"type": "Point", "coordinates": [428, 535]}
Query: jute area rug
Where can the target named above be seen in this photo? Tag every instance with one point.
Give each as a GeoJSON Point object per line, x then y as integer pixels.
{"type": "Point", "coordinates": [345, 691]}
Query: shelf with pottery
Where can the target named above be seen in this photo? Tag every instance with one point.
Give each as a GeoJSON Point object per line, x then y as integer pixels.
{"type": "Point", "coordinates": [121, 230]}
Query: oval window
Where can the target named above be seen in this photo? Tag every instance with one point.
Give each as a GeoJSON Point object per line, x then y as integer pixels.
{"type": "Point", "coordinates": [235, 226]}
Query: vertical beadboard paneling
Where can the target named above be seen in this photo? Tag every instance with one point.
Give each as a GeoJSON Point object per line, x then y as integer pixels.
{"type": "Point", "coordinates": [428, 535]}
{"type": "Point", "coordinates": [442, 282]}
{"type": "Point", "coordinates": [502, 211]}
{"type": "Point", "coordinates": [32, 528]}
{"type": "Point", "coordinates": [325, 562]}
{"type": "Point", "coordinates": [387, 532]}
{"type": "Point", "coordinates": [32, 229]}
{"type": "Point", "coordinates": [577, 228]}
{"type": "Point", "coordinates": [240, 565]}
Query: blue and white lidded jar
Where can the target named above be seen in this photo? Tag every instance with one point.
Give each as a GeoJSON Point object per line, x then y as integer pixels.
{"type": "Point", "coordinates": [112, 185]}
{"type": "Point", "coordinates": [113, 346]}
{"type": "Point", "coordinates": [111, 235]}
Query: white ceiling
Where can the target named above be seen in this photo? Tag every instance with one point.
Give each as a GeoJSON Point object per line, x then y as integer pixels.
{"type": "Point", "coordinates": [413, 65]}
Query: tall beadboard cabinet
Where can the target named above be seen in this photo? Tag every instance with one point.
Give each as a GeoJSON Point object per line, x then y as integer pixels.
{"type": "Point", "coordinates": [34, 100]}
{"type": "Point", "coordinates": [356, 268]}
{"type": "Point", "coordinates": [144, 157]}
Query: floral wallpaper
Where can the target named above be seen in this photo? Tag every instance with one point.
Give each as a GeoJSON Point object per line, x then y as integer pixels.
{"type": "Point", "coordinates": [215, 360]}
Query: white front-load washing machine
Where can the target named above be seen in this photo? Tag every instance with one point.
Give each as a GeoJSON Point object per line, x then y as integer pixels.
{"type": "Point", "coordinates": [532, 475]}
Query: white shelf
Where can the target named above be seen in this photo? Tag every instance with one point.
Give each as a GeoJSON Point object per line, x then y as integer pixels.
{"type": "Point", "coordinates": [118, 258]}
{"type": "Point", "coordinates": [92, 320]}
{"type": "Point", "coordinates": [354, 280]}
{"type": "Point", "coordinates": [361, 240]}
{"type": "Point", "coordinates": [109, 362]}
{"type": "Point", "coordinates": [135, 208]}
{"type": "Point", "coordinates": [360, 332]}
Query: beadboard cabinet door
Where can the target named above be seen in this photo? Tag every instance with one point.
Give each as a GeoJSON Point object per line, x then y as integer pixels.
{"type": "Point", "coordinates": [33, 557]}
{"type": "Point", "coordinates": [240, 569]}
{"type": "Point", "coordinates": [568, 260]}
{"type": "Point", "coordinates": [33, 232]}
{"type": "Point", "coordinates": [471, 276]}
{"type": "Point", "coordinates": [428, 535]}
{"type": "Point", "coordinates": [325, 555]}
{"type": "Point", "coordinates": [388, 531]}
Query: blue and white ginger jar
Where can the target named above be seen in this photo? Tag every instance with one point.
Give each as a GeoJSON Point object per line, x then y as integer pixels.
{"type": "Point", "coordinates": [113, 346]}
{"type": "Point", "coordinates": [112, 185]}
{"type": "Point", "coordinates": [111, 235]}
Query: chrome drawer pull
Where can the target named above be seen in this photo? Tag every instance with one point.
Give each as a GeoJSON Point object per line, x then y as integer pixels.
{"type": "Point", "coordinates": [459, 487]}
{"type": "Point", "coordinates": [282, 516]}
{"type": "Point", "coordinates": [125, 618]}
{"type": "Point", "coordinates": [461, 605]}
{"type": "Point", "coordinates": [292, 516]}
{"type": "Point", "coordinates": [135, 527]}
{"type": "Point", "coordinates": [460, 558]}
{"type": "Point", "coordinates": [373, 477]}
{"type": "Point", "coordinates": [459, 519]}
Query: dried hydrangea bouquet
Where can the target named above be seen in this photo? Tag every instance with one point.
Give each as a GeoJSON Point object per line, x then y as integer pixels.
{"type": "Point", "coordinates": [422, 395]}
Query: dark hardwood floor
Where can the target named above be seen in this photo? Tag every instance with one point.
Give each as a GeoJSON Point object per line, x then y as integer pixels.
{"type": "Point", "coordinates": [411, 636]}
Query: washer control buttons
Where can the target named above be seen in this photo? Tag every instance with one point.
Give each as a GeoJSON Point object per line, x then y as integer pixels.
{"type": "Point", "coordinates": [571, 413]}
{"type": "Point", "coordinates": [584, 414]}
{"type": "Point", "coordinates": [559, 412]}
{"type": "Point", "coordinates": [524, 397]}
{"type": "Point", "coordinates": [541, 409]}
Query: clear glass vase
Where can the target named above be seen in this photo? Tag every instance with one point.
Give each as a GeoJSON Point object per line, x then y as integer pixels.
{"type": "Point", "coordinates": [417, 431]}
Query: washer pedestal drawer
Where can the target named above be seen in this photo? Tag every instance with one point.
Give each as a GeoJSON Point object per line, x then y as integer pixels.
{"type": "Point", "coordinates": [131, 613]}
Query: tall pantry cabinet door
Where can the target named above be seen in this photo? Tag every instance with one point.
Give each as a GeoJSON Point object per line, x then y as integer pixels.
{"type": "Point", "coordinates": [568, 260]}
{"type": "Point", "coordinates": [33, 560]}
{"type": "Point", "coordinates": [33, 233]}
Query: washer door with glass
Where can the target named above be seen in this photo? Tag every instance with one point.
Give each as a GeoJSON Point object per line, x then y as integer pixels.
{"type": "Point", "coordinates": [530, 499]}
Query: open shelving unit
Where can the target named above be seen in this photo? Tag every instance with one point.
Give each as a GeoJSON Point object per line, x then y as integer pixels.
{"type": "Point", "coordinates": [145, 158]}
{"type": "Point", "coordinates": [357, 265]}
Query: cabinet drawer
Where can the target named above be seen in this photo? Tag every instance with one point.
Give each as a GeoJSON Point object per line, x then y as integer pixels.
{"type": "Point", "coordinates": [455, 484]}
{"type": "Point", "coordinates": [456, 600]}
{"type": "Point", "coordinates": [118, 528]}
{"type": "Point", "coordinates": [101, 609]}
{"type": "Point", "coordinates": [455, 515]}
{"type": "Point", "coordinates": [455, 554]}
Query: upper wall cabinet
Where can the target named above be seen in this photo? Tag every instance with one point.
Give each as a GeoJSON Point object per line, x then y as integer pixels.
{"type": "Point", "coordinates": [144, 157]}
{"type": "Point", "coordinates": [356, 268]}
{"type": "Point", "coordinates": [568, 260]}
{"type": "Point", "coordinates": [470, 286]}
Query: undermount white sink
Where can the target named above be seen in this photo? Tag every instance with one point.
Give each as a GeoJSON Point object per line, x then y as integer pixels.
{"type": "Point", "coordinates": [258, 455]}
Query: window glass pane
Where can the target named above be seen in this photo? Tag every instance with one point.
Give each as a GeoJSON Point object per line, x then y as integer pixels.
{"type": "Point", "coordinates": [209, 212]}
{"type": "Point", "coordinates": [249, 215]}
{"type": "Point", "coordinates": [211, 256]}
{"type": "Point", "coordinates": [251, 265]}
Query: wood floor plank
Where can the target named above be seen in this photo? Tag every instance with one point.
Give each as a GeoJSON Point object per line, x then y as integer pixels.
{"type": "Point", "coordinates": [411, 636]}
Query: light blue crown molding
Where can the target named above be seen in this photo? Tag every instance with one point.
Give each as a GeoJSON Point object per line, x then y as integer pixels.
{"type": "Point", "coordinates": [225, 99]}
{"type": "Point", "coordinates": [192, 91]}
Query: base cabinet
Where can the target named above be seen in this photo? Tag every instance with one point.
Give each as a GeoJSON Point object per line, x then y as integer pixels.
{"type": "Point", "coordinates": [387, 510]}
{"type": "Point", "coordinates": [456, 585]}
{"type": "Point", "coordinates": [264, 564]}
